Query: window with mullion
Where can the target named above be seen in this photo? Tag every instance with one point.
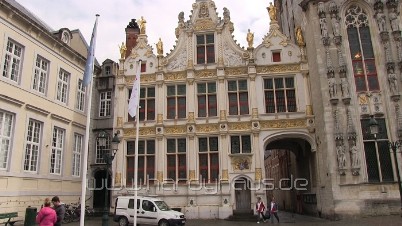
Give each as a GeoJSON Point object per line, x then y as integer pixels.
{"type": "Point", "coordinates": [176, 150]}
{"type": "Point", "coordinates": [40, 74]}
{"type": "Point", "coordinates": [105, 103]}
{"type": "Point", "coordinates": [208, 158]}
{"type": "Point", "coordinates": [80, 96]}
{"type": "Point", "coordinates": [176, 101]}
{"type": "Point", "coordinates": [280, 95]}
{"type": "Point", "coordinates": [205, 48]}
{"type": "Point", "coordinates": [57, 151]}
{"type": "Point", "coordinates": [77, 154]}
{"type": "Point", "coordinates": [240, 144]}
{"type": "Point", "coordinates": [238, 97]}
{"type": "Point", "coordinates": [32, 145]}
{"type": "Point", "coordinates": [361, 50]}
{"type": "Point", "coordinates": [147, 104]}
{"type": "Point", "coordinates": [102, 150]}
{"type": "Point", "coordinates": [12, 61]}
{"type": "Point", "coordinates": [146, 162]}
{"type": "Point", "coordinates": [377, 153]}
{"type": "Point", "coordinates": [207, 105]}
{"type": "Point", "coordinates": [62, 86]}
{"type": "Point", "coordinates": [6, 126]}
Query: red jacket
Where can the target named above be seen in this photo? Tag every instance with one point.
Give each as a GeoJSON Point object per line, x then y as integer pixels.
{"type": "Point", "coordinates": [46, 217]}
{"type": "Point", "coordinates": [260, 207]}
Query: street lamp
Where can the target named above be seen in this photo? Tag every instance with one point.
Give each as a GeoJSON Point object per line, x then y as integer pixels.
{"type": "Point", "coordinates": [374, 128]}
{"type": "Point", "coordinates": [108, 157]}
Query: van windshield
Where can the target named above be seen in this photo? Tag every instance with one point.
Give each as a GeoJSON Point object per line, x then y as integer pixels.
{"type": "Point", "coordinates": [162, 205]}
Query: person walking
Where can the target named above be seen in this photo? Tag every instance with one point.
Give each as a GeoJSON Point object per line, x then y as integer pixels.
{"type": "Point", "coordinates": [46, 216]}
{"type": "Point", "coordinates": [260, 208]}
{"type": "Point", "coordinates": [60, 210]}
{"type": "Point", "coordinates": [273, 210]}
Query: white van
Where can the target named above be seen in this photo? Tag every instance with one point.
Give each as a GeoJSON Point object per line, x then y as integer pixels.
{"type": "Point", "coordinates": [150, 211]}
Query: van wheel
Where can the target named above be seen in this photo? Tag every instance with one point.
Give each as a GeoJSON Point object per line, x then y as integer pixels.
{"type": "Point", "coordinates": [163, 223]}
{"type": "Point", "coordinates": [123, 221]}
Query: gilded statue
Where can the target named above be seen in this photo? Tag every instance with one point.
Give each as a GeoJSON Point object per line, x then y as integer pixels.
{"type": "Point", "coordinates": [272, 12]}
{"type": "Point", "coordinates": [159, 47]}
{"type": "Point", "coordinates": [299, 36]}
{"type": "Point", "coordinates": [123, 50]}
{"type": "Point", "coordinates": [142, 23]}
{"type": "Point", "coordinates": [250, 38]}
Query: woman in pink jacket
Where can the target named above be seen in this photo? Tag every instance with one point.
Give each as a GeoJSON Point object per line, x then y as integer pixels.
{"type": "Point", "coordinates": [46, 216]}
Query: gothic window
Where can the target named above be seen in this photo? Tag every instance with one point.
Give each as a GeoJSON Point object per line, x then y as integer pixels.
{"type": "Point", "coordinates": [377, 152]}
{"type": "Point", "coordinates": [361, 50]}
{"type": "Point", "coordinates": [205, 49]}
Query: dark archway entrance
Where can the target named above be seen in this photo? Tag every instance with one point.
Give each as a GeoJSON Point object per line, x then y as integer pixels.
{"type": "Point", "coordinates": [242, 195]}
{"type": "Point", "coordinates": [100, 189]}
{"type": "Point", "coordinates": [290, 163]}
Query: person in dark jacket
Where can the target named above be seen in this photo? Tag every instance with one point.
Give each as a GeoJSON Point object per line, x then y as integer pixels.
{"type": "Point", "coordinates": [273, 210]}
{"type": "Point", "coordinates": [60, 210]}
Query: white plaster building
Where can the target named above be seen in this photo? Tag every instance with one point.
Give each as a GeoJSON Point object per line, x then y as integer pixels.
{"type": "Point", "coordinates": [42, 110]}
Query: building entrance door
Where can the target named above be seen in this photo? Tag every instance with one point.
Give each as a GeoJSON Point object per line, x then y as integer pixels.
{"type": "Point", "coordinates": [242, 194]}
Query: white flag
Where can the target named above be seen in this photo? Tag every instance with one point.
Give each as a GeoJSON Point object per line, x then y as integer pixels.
{"type": "Point", "coordinates": [134, 98]}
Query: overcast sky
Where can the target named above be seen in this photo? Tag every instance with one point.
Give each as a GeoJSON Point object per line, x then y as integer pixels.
{"type": "Point", "coordinates": [161, 17]}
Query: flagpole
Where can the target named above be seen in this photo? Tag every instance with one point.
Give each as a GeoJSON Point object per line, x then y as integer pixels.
{"type": "Point", "coordinates": [137, 119]}
{"type": "Point", "coordinates": [85, 160]}
{"type": "Point", "coordinates": [87, 80]}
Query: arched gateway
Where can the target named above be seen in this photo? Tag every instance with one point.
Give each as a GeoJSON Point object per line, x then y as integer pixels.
{"type": "Point", "coordinates": [291, 172]}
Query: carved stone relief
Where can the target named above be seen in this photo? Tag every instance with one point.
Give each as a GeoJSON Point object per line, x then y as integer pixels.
{"type": "Point", "coordinates": [178, 63]}
{"type": "Point", "coordinates": [231, 57]}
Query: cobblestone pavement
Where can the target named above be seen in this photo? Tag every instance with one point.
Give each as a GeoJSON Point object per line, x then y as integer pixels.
{"type": "Point", "coordinates": [285, 219]}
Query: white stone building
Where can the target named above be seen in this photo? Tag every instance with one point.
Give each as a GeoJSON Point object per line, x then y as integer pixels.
{"type": "Point", "coordinates": [209, 110]}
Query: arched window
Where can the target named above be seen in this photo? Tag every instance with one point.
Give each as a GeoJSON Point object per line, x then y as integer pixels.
{"type": "Point", "coordinates": [361, 50]}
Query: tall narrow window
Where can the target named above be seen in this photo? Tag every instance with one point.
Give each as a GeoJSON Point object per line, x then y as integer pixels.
{"type": "Point", "coordinates": [6, 125]}
{"type": "Point", "coordinates": [240, 144]}
{"type": "Point", "coordinates": [238, 97]}
{"type": "Point", "coordinates": [107, 70]}
{"type": "Point", "coordinates": [146, 162]}
{"type": "Point", "coordinates": [62, 86]}
{"type": "Point", "coordinates": [32, 145]}
{"type": "Point", "coordinates": [377, 152]}
{"type": "Point", "coordinates": [40, 75]}
{"type": "Point", "coordinates": [205, 49]}
{"type": "Point", "coordinates": [208, 158]}
{"type": "Point", "coordinates": [102, 150]}
{"type": "Point", "coordinates": [77, 154]}
{"type": "Point", "coordinates": [80, 104]}
{"type": "Point", "coordinates": [57, 151]}
{"type": "Point", "coordinates": [207, 105]}
{"type": "Point", "coordinates": [176, 159]}
{"type": "Point", "coordinates": [361, 50]}
{"type": "Point", "coordinates": [12, 61]}
{"type": "Point", "coordinates": [147, 104]}
{"type": "Point", "coordinates": [176, 101]}
{"type": "Point", "coordinates": [105, 100]}
{"type": "Point", "coordinates": [280, 95]}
